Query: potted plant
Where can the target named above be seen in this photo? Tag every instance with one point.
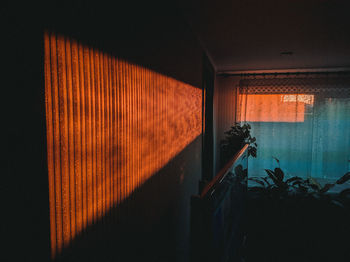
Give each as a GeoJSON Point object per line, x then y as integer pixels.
{"type": "Point", "coordinates": [236, 137]}
{"type": "Point", "coordinates": [296, 218]}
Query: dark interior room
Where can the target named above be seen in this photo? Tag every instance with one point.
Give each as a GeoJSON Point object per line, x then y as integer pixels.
{"type": "Point", "coordinates": [177, 130]}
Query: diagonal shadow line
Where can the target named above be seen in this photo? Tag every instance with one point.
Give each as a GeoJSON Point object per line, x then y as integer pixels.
{"type": "Point", "coordinates": [151, 223]}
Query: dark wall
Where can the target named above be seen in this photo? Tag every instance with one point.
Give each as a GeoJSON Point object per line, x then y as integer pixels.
{"type": "Point", "coordinates": [224, 111]}
{"type": "Point", "coordinates": [208, 134]}
{"type": "Point", "coordinates": [23, 191]}
{"type": "Point", "coordinates": [151, 34]}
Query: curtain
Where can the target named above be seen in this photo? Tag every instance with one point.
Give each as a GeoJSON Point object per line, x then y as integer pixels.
{"type": "Point", "coordinates": [301, 120]}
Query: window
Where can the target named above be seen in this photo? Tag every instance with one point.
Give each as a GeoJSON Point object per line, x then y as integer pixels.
{"type": "Point", "coordinates": [304, 121]}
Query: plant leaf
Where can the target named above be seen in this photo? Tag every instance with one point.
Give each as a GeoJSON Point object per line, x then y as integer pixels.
{"type": "Point", "coordinates": [313, 181]}
{"type": "Point", "coordinates": [266, 181]}
{"type": "Point", "coordinates": [326, 188]}
{"type": "Point", "coordinates": [278, 162]}
{"type": "Point", "coordinates": [292, 179]}
{"type": "Point", "coordinates": [257, 180]}
{"type": "Point", "coordinates": [278, 183]}
{"type": "Point", "coordinates": [314, 187]}
{"type": "Point", "coordinates": [298, 182]}
{"type": "Point", "coordinates": [279, 174]}
{"type": "Point", "coordinates": [344, 178]}
{"type": "Point", "coordinates": [271, 174]}
{"type": "Point", "coordinates": [302, 188]}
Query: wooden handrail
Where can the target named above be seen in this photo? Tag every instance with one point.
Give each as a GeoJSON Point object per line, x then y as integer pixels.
{"type": "Point", "coordinates": [222, 173]}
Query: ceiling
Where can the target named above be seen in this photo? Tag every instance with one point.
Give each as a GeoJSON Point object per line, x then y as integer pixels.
{"type": "Point", "coordinates": [272, 34]}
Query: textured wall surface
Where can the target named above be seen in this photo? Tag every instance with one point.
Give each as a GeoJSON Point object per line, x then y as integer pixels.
{"type": "Point", "coordinates": [225, 97]}
{"type": "Point", "coordinates": [152, 223]}
{"type": "Point", "coordinates": [111, 125]}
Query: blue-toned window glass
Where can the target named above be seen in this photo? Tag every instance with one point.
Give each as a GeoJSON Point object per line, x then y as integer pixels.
{"type": "Point", "coordinates": [304, 121]}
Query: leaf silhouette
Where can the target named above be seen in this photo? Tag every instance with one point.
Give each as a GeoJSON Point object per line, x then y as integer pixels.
{"type": "Point", "coordinates": [326, 188]}
{"type": "Point", "coordinates": [292, 179]}
{"type": "Point", "coordinates": [314, 183]}
{"type": "Point", "coordinates": [314, 187]}
{"type": "Point", "coordinates": [302, 188]}
{"type": "Point", "coordinates": [257, 180]}
{"type": "Point", "coordinates": [279, 174]}
{"type": "Point", "coordinates": [344, 178]}
{"type": "Point", "coordinates": [274, 178]}
{"type": "Point", "coordinates": [278, 162]}
{"type": "Point", "coordinates": [271, 174]}
{"type": "Point", "coordinates": [266, 181]}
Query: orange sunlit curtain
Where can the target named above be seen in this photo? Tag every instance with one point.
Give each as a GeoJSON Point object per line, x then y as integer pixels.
{"type": "Point", "coordinates": [277, 107]}
{"type": "Point", "coordinates": [111, 125]}
{"type": "Point", "coordinates": [303, 120]}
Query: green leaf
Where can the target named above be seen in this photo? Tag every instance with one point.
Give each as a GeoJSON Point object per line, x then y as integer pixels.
{"type": "Point", "coordinates": [344, 178]}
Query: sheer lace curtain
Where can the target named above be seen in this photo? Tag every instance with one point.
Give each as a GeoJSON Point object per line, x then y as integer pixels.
{"type": "Point", "coordinates": [302, 120]}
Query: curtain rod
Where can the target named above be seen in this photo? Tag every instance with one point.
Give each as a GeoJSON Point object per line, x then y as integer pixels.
{"type": "Point", "coordinates": [286, 71]}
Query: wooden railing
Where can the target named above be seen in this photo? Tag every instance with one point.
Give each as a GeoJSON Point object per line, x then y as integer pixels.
{"type": "Point", "coordinates": [217, 214]}
{"type": "Point", "coordinates": [222, 173]}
